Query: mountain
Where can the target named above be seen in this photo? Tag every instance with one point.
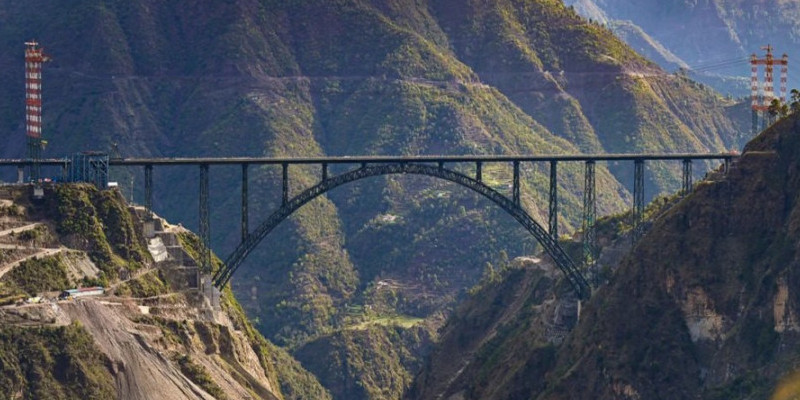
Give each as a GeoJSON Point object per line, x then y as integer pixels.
{"type": "Point", "coordinates": [701, 307]}
{"type": "Point", "coordinates": [353, 77]}
{"type": "Point", "coordinates": [151, 335]}
{"type": "Point", "coordinates": [714, 38]}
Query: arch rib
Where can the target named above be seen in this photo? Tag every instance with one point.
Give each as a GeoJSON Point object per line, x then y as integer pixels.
{"type": "Point", "coordinates": [551, 246]}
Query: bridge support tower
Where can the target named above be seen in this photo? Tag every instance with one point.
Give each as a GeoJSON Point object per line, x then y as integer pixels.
{"type": "Point", "coordinates": [589, 218]}
{"type": "Point", "coordinates": [245, 216]}
{"type": "Point", "coordinates": [638, 200]}
{"type": "Point", "coordinates": [687, 177]}
{"type": "Point", "coordinates": [148, 191]}
{"type": "Point", "coordinates": [515, 185]}
{"type": "Point", "coordinates": [205, 228]}
{"type": "Point", "coordinates": [285, 181]}
{"type": "Point", "coordinates": [552, 225]}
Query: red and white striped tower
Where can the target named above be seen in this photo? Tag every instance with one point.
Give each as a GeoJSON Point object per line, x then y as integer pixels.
{"type": "Point", "coordinates": [784, 62]}
{"type": "Point", "coordinates": [761, 99]}
{"type": "Point", "coordinates": [754, 91]}
{"type": "Point", "coordinates": [769, 91]}
{"type": "Point", "coordinates": [34, 58]}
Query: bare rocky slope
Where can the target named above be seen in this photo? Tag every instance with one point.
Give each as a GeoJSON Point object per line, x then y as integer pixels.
{"type": "Point", "coordinates": [702, 307]}
{"type": "Point", "coordinates": [154, 334]}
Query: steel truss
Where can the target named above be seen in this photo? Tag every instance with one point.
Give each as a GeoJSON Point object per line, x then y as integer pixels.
{"type": "Point", "coordinates": [548, 242]}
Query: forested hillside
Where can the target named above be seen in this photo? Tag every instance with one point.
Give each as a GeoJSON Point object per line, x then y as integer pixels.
{"type": "Point", "coordinates": [352, 77]}
{"type": "Point", "coordinates": [712, 38]}
{"type": "Point", "coordinates": [704, 306]}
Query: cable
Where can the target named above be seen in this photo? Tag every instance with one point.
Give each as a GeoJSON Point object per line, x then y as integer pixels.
{"type": "Point", "coordinates": [720, 65]}
{"type": "Point", "coordinates": [716, 62]}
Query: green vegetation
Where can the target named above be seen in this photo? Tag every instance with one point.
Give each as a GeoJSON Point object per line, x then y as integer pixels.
{"type": "Point", "coordinates": [36, 275]}
{"type": "Point", "coordinates": [148, 284]}
{"type": "Point", "coordinates": [97, 222]}
{"type": "Point", "coordinates": [198, 374]}
{"type": "Point", "coordinates": [39, 236]}
{"type": "Point", "coordinates": [374, 362]}
{"type": "Point", "coordinates": [295, 381]}
{"type": "Point", "coordinates": [52, 363]}
{"type": "Point", "coordinates": [402, 321]}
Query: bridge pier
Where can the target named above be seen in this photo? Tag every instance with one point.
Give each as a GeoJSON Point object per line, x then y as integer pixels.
{"type": "Point", "coordinates": [148, 191]}
{"type": "Point", "coordinates": [687, 177]}
{"type": "Point", "coordinates": [638, 200]}
{"type": "Point", "coordinates": [324, 172]}
{"type": "Point", "coordinates": [205, 228]}
{"type": "Point", "coordinates": [553, 209]}
{"type": "Point", "coordinates": [589, 217]}
{"type": "Point", "coordinates": [515, 185]}
{"type": "Point", "coordinates": [245, 217]}
{"type": "Point", "coordinates": [285, 180]}
{"type": "Point", "coordinates": [479, 171]}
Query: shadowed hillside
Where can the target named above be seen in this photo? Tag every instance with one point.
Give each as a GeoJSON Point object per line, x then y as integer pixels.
{"type": "Point", "coordinates": [702, 307]}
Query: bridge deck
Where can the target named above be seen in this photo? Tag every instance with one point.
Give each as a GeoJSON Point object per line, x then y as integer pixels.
{"type": "Point", "coordinates": [385, 159]}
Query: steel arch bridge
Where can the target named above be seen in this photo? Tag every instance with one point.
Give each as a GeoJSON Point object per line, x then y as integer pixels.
{"type": "Point", "coordinates": [370, 166]}
{"type": "Point", "coordinates": [511, 206]}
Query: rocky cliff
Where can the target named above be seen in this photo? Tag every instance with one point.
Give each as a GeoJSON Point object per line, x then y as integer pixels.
{"type": "Point", "coordinates": [701, 307]}
{"type": "Point", "coordinates": [154, 334]}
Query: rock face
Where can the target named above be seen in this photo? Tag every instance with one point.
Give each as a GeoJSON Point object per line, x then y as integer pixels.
{"type": "Point", "coordinates": [704, 306]}
{"type": "Point", "coordinates": [153, 335]}
{"type": "Point", "coordinates": [500, 339]}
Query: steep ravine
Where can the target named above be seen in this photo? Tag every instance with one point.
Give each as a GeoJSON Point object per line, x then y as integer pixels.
{"type": "Point", "coordinates": [702, 307]}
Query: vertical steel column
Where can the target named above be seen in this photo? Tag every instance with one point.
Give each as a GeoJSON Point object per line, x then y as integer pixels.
{"type": "Point", "coordinates": [245, 216]}
{"type": "Point", "coordinates": [638, 199]}
{"type": "Point", "coordinates": [727, 166]}
{"type": "Point", "coordinates": [479, 171]}
{"type": "Point", "coordinates": [553, 215]}
{"type": "Point", "coordinates": [205, 228]}
{"type": "Point", "coordinates": [148, 190]}
{"type": "Point", "coordinates": [589, 217]}
{"type": "Point", "coordinates": [324, 172]}
{"type": "Point", "coordinates": [285, 183]}
{"type": "Point", "coordinates": [515, 188]}
{"type": "Point", "coordinates": [441, 164]}
{"type": "Point", "coordinates": [687, 177]}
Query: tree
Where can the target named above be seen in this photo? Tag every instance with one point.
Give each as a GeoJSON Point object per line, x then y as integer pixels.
{"type": "Point", "coordinates": [776, 108]}
{"type": "Point", "coordinates": [795, 98]}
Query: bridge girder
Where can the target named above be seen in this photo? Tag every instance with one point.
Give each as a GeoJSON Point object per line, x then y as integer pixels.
{"type": "Point", "coordinates": [511, 206]}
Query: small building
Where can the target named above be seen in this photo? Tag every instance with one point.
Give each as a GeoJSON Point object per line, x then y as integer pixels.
{"type": "Point", "coordinates": [81, 292]}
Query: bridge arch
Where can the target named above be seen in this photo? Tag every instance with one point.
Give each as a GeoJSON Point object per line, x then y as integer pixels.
{"type": "Point", "coordinates": [550, 245]}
